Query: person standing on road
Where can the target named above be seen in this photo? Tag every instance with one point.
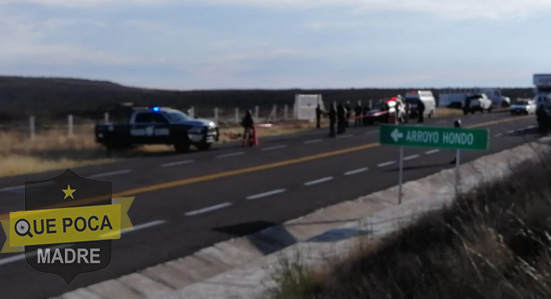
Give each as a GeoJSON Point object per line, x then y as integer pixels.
{"type": "Point", "coordinates": [358, 115]}
{"type": "Point", "coordinates": [318, 116]}
{"type": "Point", "coordinates": [248, 124]}
{"type": "Point", "coordinates": [332, 120]}
{"type": "Point", "coordinates": [348, 113]}
{"type": "Point", "coordinates": [421, 111]}
{"type": "Point", "coordinates": [341, 118]}
{"type": "Point", "coordinates": [365, 111]}
{"type": "Point", "coordinates": [456, 124]}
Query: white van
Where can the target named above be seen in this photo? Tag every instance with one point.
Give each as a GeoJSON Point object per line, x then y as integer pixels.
{"type": "Point", "coordinates": [413, 97]}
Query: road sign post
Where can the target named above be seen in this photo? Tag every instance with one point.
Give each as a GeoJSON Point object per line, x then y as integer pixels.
{"type": "Point", "coordinates": [401, 174]}
{"type": "Point", "coordinates": [433, 137]}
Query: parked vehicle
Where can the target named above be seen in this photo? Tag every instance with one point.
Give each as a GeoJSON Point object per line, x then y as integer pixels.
{"type": "Point", "coordinates": [155, 125]}
{"type": "Point", "coordinates": [543, 114]}
{"type": "Point", "coordinates": [413, 97]}
{"type": "Point", "coordinates": [542, 90]}
{"type": "Point", "coordinates": [455, 98]}
{"type": "Point", "coordinates": [523, 106]}
{"type": "Point", "coordinates": [477, 102]}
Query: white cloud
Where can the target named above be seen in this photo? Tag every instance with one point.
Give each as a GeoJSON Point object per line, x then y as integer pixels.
{"type": "Point", "coordinates": [23, 41]}
{"type": "Point", "coordinates": [449, 9]}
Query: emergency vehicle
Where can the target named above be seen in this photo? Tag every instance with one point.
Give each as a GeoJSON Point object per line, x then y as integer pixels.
{"type": "Point", "coordinates": [133, 126]}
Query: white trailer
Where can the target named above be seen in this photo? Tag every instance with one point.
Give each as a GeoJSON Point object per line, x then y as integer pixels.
{"type": "Point", "coordinates": [305, 106]}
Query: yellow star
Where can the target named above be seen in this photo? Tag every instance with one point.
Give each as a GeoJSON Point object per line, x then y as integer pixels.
{"type": "Point", "coordinates": [68, 192]}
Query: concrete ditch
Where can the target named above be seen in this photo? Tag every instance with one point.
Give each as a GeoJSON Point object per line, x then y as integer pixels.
{"type": "Point", "coordinates": [242, 267]}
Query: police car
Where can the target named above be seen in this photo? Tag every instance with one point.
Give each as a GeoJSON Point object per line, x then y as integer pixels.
{"type": "Point", "coordinates": [155, 125]}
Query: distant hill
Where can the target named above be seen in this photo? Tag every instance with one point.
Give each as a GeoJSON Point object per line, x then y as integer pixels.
{"type": "Point", "coordinates": [56, 97]}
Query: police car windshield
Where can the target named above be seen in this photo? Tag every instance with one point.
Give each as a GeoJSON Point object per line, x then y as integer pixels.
{"type": "Point", "coordinates": [176, 116]}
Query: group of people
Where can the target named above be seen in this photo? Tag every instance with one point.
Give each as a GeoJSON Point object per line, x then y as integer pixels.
{"type": "Point", "coordinates": [403, 110]}
{"type": "Point", "coordinates": [339, 116]}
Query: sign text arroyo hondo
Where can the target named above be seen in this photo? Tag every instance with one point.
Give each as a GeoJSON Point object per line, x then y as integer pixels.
{"type": "Point", "coordinates": [437, 137]}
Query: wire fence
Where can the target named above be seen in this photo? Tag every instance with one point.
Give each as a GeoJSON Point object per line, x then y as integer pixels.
{"type": "Point", "coordinates": [74, 125]}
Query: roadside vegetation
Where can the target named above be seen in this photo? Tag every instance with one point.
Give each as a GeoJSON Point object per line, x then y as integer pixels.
{"type": "Point", "coordinates": [494, 242]}
{"type": "Point", "coordinates": [53, 149]}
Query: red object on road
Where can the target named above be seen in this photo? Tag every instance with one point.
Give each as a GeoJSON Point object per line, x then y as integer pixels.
{"type": "Point", "coordinates": [253, 139]}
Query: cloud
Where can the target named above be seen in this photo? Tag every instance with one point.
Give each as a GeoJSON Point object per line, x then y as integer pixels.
{"type": "Point", "coordinates": [24, 40]}
{"type": "Point", "coordinates": [448, 9]}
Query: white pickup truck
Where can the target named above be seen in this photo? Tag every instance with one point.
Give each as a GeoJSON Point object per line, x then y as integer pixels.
{"type": "Point", "coordinates": [477, 102]}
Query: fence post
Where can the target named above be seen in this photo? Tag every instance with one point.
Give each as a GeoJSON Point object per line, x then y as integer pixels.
{"type": "Point", "coordinates": [285, 111]}
{"type": "Point", "coordinates": [32, 127]}
{"type": "Point", "coordinates": [70, 124]}
{"type": "Point", "coordinates": [256, 112]}
{"type": "Point", "coordinates": [216, 115]}
{"type": "Point", "coordinates": [106, 117]}
{"type": "Point", "coordinates": [237, 115]}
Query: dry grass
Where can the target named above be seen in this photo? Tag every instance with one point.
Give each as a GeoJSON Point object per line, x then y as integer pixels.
{"type": "Point", "coordinates": [49, 151]}
{"type": "Point", "coordinates": [494, 242]}
{"type": "Point", "coordinates": [444, 112]}
{"type": "Point", "coordinates": [232, 133]}
{"type": "Point", "coordinates": [53, 149]}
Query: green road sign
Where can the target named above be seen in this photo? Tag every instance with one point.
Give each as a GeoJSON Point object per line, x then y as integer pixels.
{"type": "Point", "coordinates": [437, 137]}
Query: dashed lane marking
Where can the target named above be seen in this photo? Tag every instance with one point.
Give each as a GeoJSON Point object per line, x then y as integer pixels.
{"type": "Point", "coordinates": [208, 209]}
{"type": "Point", "coordinates": [318, 181]}
{"type": "Point", "coordinates": [265, 194]}
{"type": "Point", "coordinates": [356, 171]}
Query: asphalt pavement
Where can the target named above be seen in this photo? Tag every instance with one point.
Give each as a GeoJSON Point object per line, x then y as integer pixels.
{"type": "Point", "coordinates": [185, 202]}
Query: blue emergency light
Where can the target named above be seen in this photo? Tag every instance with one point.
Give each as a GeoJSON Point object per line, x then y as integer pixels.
{"type": "Point", "coordinates": [156, 109]}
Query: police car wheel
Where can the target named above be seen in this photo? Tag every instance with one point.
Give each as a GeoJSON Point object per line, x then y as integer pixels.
{"type": "Point", "coordinates": [204, 146]}
{"type": "Point", "coordinates": [181, 146]}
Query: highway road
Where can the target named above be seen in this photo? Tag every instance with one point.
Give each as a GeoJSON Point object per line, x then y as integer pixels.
{"type": "Point", "coordinates": [185, 202]}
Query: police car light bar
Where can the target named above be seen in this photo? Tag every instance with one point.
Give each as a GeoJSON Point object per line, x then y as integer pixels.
{"type": "Point", "coordinates": [156, 109]}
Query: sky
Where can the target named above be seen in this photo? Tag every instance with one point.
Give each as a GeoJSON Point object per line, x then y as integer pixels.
{"type": "Point", "coordinates": [243, 44]}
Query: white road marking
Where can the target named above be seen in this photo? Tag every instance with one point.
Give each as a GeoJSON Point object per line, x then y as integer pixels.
{"type": "Point", "coordinates": [137, 227]}
{"type": "Point", "coordinates": [20, 257]}
{"type": "Point", "coordinates": [20, 187]}
{"type": "Point", "coordinates": [411, 157]}
{"type": "Point", "coordinates": [231, 155]}
{"type": "Point", "coordinates": [318, 181]}
{"type": "Point", "coordinates": [177, 163]}
{"type": "Point", "coordinates": [510, 132]}
{"type": "Point", "coordinates": [100, 175]}
{"type": "Point", "coordinates": [345, 136]}
{"type": "Point", "coordinates": [434, 151]}
{"type": "Point", "coordinates": [386, 164]}
{"type": "Point", "coordinates": [274, 147]}
{"type": "Point", "coordinates": [208, 209]}
{"type": "Point", "coordinates": [313, 141]}
{"type": "Point", "coordinates": [256, 196]}
{"type": "Point", "coordinates": [356, 171]}
{"type": "Point", "coordinates": [530, 127]}
{"type": "Point", "coordinates": [14, 258]}
{"type": "Point", "coordinates": [7, 189]}
{"type": "Point", "coordinates": [498, 135]}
